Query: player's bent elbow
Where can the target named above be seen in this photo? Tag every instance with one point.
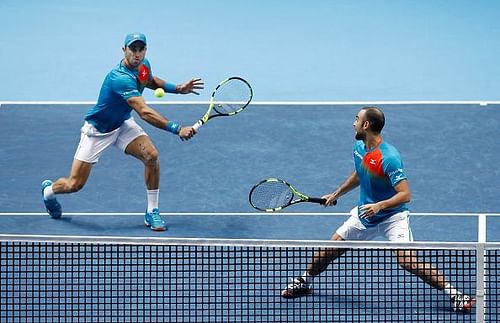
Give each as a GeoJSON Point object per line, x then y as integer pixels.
{"type": "Point", "coordinates": [407, 197]}
{"type": "Point", "coordinates": [146, 115]}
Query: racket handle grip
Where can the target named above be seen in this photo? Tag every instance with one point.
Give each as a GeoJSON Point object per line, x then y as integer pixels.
{"type": "Point", "coordinates": [320, 200]}
{"type": "Point", "coordinates": [317, 200]}
{"type": "Point", "coordinates": [197, 125]}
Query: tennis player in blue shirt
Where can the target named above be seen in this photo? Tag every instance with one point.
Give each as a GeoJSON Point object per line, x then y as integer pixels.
{"type": "Point", "coordinates": [109, 123]}
{"type": "Point", "coordinates": [381, 210]}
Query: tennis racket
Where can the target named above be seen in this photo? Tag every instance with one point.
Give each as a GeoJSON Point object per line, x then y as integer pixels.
{"type": "Point", "coordinates": [274, 194]}
{"type": "Point", "coordinates": [230, 97]}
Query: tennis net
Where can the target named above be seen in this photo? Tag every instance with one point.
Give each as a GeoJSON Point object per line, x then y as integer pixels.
{"type": "Point", "coordinates": [110, 279]}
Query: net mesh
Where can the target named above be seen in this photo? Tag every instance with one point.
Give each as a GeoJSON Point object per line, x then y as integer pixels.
{"type": "Point", "coordinates": [270, 195]}
{"type": "Point", "coordinates": [492, 279]}
{"type": "Point", "coordinates": [108, 282]}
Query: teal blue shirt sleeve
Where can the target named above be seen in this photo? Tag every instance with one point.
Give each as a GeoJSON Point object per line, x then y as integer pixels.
{"type": "Point", "coordinates": [393, 168]}
{"type": "Point", "coordinates": [126, 86]}
{"type": "Point", "coordinates": [131, 84]}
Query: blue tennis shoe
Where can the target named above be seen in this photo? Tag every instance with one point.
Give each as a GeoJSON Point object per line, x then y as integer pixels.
{"type": "Point", "coordinates": [52, 206]}
{"type": "Point", "coordinates": [154, 220]}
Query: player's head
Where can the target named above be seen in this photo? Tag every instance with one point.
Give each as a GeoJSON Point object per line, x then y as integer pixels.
{"type": "Point", "coordinates": [134, 49]}
{"type": "Point", "coordinates": [368, 119]}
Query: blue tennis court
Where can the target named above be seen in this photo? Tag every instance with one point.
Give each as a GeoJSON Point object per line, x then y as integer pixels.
{"type": "Point", "coordinates": [449, 170]}
{"type": "Point", "coordinates": [431, 67]}
{"type": "Point", "coordinates": [220, 165]}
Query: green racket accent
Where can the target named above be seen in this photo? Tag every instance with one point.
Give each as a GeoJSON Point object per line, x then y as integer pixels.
{"type": "Point", "coordinates": [210, 107]}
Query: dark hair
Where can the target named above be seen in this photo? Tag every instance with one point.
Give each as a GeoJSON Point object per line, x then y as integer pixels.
{"type": "Point", "coordinates": [376, 118]}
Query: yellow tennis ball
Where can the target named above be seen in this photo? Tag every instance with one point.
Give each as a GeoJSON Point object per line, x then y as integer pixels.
{"type": "Point", "coordinates": [159, 92]}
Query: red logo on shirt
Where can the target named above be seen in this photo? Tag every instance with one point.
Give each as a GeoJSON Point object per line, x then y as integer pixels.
{"type": "Point", "coordinates": [143, 74]}
{"type": "Point", "coordinates": [372, 161]}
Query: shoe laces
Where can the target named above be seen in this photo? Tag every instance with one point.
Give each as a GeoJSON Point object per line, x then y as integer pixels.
{"type": "Point", "coordinates": [155, 216]}
{"type": "Point", "coordinates": [297, 283]}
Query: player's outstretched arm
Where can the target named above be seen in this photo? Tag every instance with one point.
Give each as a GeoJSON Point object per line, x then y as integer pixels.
{"type": "Point", "coordinates": [190, 86]}
{"type": "Point", "coordinates": [155, 119]}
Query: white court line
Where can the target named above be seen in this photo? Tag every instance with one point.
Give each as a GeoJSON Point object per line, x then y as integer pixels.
{"type": "Point", "coordinates": [170, 214]}
{"type": "Point", "coordinates": [272, 103]}
{"type": "Point", "coordinates": [240, 213]}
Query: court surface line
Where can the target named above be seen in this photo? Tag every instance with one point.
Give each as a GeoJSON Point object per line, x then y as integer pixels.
{"type": "Point", "coordinates": [273, 103]}
{"type": "Point", "coordinates": [243, 213]}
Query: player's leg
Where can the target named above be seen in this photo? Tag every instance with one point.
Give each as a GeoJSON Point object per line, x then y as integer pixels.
{"type": "Point", "coordinates": [324, 257]}
{"type": "Point", "coordinates": [79, 174]}
{"type": "Point", "coordinates": [78, 177]}
{"type": "Point", "coordinates": [301, 286]}
{"type": "Point", "coordinates": [409, 261]}
{"type": "Point", "coordinates": [92, 145]}
{"type": "Point", "coordinates": [134, 141]}
{"type": "Point", "coordinates": [429, 274]}
{"type": "Point", "coordinates": [399, 230]}
{"type": "Point", "coordinates": [143, 149]}
{"type": "Point", "coordinates": [352, 229]}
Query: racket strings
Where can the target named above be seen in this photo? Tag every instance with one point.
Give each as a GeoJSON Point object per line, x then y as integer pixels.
{"type": "Point", "coordinates": [270, 195]}
{"type": "Point", "coordinates": [232, 96]}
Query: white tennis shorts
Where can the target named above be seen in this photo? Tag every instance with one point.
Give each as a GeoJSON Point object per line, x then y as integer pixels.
{"type": "Point", "coordinates": [394, 228]}
{"type": "Point", "coordinates": [93, 143]}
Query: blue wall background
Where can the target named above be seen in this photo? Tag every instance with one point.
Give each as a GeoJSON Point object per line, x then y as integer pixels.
{"type": "Point", "coordinates": [289, 50]}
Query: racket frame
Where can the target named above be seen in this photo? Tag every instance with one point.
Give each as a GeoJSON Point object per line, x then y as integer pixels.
{"type": "Point", "coordinates": [301, 196]}
{"type": "Point", "coordinates": [208, 115]}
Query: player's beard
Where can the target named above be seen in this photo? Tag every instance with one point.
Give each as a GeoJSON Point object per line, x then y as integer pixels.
{"type": "Point", "coordinates": [360, 135]}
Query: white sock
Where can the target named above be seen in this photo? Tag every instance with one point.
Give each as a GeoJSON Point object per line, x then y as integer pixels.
{"type": "Point", "coordinates": [450, 290]}
{"type": "Point", "coordinates": [307, 278]}
{"type": "Point", "coordinates": [153, 199]}
{"type": "Point", "coordinates": [48, 193]}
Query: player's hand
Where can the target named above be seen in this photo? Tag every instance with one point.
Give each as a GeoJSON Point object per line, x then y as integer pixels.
{"type": "Point", "coordinates": [186, 133]}
{"type": "Point", "coordinates": [368, 210]}
{"type": "Point", "coordinates": [330, 198]}
{"type": "Point", "coordinates": [190, 86]}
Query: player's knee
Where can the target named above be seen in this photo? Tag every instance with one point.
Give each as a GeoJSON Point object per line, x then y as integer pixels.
{"type": "Point", "coordinates": [151, 157]}
{"type": "Point", "coordinates": [75, 186]}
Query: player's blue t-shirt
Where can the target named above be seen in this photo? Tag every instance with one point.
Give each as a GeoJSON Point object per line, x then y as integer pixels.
{"type": "Point", "coordinates": [378, 170]}
{"type": "Point", "coordinates": [119, 85]}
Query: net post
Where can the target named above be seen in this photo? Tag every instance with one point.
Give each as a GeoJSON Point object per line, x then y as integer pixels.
{"type": "Point", "coordinates": [481, 228]}
{"type": "Point", "coordinates": [480, 268]}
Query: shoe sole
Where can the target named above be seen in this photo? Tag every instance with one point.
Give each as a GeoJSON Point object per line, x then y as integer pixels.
{"type": "Point", "coordinates": [54, 216]}
{"type": "Point", "coordinates": [154, 229]}
{"type": "Point", "coordinates": [467, 308]}
{"type": "Point", "coordinates": [289, 295]}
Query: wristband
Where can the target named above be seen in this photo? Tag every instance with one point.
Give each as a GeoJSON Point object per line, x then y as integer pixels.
{"type": "Point", "coordinates": [173, 127]}
{"type": "Point", "coordinates": [170, 87]}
